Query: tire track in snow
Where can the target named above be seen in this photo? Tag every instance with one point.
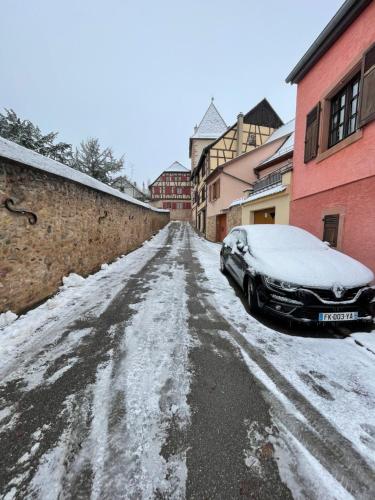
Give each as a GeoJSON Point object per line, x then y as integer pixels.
{"type": "Point", "coordinates": [151, 380]}
{"type": "Point", "coordinates": [65, 405]}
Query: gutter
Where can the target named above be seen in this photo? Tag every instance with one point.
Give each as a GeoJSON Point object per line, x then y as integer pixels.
{"type": "Point", "coordinates": [343, 18]}
{"type": "Point", "coordinates": [274, 161]}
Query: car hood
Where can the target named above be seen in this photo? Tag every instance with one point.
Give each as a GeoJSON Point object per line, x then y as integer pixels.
{"type": "Point", "coordinates": [320, 268]}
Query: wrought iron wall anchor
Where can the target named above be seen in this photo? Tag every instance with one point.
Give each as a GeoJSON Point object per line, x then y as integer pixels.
{"type": "Point", "coordinates": [9, 205]}
{"type": "Point", "coordinates": [102, 217]}
{"type": "Point", "coordinates": [131, 217]}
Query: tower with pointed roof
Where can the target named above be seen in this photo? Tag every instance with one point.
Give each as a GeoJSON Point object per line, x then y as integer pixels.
{"type": "Point", "coordinates": [210, 128]}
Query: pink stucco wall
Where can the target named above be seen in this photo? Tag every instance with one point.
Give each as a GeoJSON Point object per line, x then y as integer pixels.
{"type": "Point", "coordinates": [242, 167]}
{"type": "Point", "coordinates": [357, 160]}
{"type": "Point", "coordinates": [345, 181]}
{"type": "Point", "coordinates": [357, 218]}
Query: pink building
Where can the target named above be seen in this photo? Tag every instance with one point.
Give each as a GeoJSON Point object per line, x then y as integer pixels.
{"type": "Point", "coordinates": [333, 193]}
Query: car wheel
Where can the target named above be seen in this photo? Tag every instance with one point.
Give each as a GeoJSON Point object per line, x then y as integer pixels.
{"type": "Point", "coordinates": [251, 295]}
{"type": "Point", "coordinates": [223, 267]}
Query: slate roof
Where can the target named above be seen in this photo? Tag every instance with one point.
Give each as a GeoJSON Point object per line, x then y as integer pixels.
{"type": "Point", "coordinates": [287, 146]}
{"type": "Point", "coordinates": [282, 131]}
{"type": "Point", "coordinates": [212, 124]}
{"type": "Point", "coordinates": [177, 167]}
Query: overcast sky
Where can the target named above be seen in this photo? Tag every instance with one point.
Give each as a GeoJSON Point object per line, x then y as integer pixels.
{"type": "Point", "coordinates": [140, 74]}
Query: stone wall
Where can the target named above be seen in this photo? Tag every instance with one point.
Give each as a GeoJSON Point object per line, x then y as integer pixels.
{"type": "Point", "coordinates": [211, 228]}
{"type": "Point", "coordinates": [182, 214]}
{"type": "Point", "coordinates": [234, 217]}
{"type": "Point", "coordinates": [78, 228]}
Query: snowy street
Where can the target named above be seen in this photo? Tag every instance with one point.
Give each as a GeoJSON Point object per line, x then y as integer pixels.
{"type": "Point", "coordinates": [149, 379]}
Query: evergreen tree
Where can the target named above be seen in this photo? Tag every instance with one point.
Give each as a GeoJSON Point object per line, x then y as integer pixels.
{"type": "Point", "coordinates": [25, 133]}
{"type": "Point", "coordinates": [100, 164]}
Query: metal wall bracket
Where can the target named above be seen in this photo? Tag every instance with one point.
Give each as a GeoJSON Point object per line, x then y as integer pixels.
{"type": "Point", "coordinates": [102, 217]}
{"type": "Point", "coordinates": [9, 205]}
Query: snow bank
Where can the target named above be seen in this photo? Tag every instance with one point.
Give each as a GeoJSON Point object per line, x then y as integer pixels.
{"type": "Point", "coordinates": [77, 296]}
{"type": "Point", "coordinates": [7, 318]}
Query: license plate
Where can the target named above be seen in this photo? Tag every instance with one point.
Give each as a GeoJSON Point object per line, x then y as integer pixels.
{"type": "Point", "coordinates": [338, 316]}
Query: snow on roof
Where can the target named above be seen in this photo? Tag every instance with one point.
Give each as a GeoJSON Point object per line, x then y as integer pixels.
{"type": "Point", "coordinates": [285, 148]}
{"type": "Point", "coordinates": [240, 201]}
{"type": "Point", "coordinates": [282, 131]}
{"type": "Point", "coordinates": [212, 124]}
{"type": "Point", "coordinates": [279, 188]}
{"type": "Point", "coordinates": [15, 152]}
{"type": "Point", "coordinates": [177, 167]}
{"type": "Point", "coordinates": [267, 192]}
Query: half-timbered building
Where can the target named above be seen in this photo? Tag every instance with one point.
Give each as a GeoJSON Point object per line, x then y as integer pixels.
{"type": "Point", "coordinates": [172, 191]}
{"type": "Point", "coordinates": [249, 132]}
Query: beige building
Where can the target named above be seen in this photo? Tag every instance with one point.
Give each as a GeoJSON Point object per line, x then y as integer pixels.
{"type": "Point", "coordinates": [269, 200]}
{"type": "Point", "coordinates": [248, 133]}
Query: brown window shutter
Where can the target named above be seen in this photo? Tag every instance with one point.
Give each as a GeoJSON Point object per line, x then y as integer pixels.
{"type": "Point", "coordinates": [218, 188]}
{"type": "Point", "coordinates": [312, 133]}
{"type": "Point", "coordinates": [367, 111]}
{"type": "Point", "coordinates": [331, 229]}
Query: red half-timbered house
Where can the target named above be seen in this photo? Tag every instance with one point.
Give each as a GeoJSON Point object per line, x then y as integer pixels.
{"type": "Point", "coordinates": [172, 190]}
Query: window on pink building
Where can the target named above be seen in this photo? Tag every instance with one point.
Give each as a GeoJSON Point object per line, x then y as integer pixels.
{"type": "Point", "coordinates": [344, 112]}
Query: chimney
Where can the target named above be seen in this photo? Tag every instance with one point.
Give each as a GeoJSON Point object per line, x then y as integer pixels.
{"type": "Point", "coordinates": [239, 133]}
{"type": "Point", "coordinates": [195, 129]}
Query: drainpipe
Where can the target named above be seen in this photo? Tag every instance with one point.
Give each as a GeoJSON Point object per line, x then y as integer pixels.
{"type": "Point", "coordinates": [239, 133]}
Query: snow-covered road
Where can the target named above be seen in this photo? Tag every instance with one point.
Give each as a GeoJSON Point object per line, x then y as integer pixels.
{"type": "Point", "coordinates": [149, 379]}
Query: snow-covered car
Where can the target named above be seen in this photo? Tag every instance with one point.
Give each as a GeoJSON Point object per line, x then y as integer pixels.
{"type": "Point", "coordinates": [291, 273]}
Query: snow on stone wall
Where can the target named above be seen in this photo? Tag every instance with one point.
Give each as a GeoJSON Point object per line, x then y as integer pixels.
{"type": "Point", "coordinates": [78, 228]}
{"type": "Point", "coordinates": [12, 151]}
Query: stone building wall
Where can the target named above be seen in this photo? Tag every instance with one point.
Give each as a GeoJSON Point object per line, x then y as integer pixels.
{"type": "Point", "coordinates": [182, 214]}
{"type": "Point", "coordinates": [78, 228]}
{"type": "Point", "coordinates": [211, 228]}
{"type": "Point", "coordinates": [197, 147]}
{"type": "Point", "coordinates": [234, 217]}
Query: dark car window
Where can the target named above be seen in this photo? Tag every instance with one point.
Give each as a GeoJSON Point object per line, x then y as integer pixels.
{"type": "Point", "coordinates": [242, 237]}
{"type": "Point", "coordinates": [233, 238]}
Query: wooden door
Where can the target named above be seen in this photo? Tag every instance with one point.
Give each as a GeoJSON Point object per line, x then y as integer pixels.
{"type": "Point", "coordinates": [265, 216]}
{"type": "Point", "coordinates": [221, 227]}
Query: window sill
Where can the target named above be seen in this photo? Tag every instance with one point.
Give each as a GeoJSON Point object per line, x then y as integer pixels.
{"type": "Point", "coordinates": [339, 146]}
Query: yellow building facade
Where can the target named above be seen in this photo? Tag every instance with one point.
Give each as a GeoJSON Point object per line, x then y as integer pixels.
{"type": "Point", "coordinates": [270, 206]}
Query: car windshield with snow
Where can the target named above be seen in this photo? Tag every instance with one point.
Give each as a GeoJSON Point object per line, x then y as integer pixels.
{"type": "Point", "coordinates": [289, 272]}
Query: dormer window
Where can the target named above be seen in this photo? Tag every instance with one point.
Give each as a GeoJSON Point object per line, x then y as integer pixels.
{"type": "Point", "coordinates": [252, 140]}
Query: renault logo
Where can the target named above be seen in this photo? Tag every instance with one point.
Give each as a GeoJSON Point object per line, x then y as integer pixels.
{"type": "Point", "coordinates": [338, 290]}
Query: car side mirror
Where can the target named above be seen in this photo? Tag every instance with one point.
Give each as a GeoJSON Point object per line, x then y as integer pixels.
{"type": "Point", "coordinates": [240, 246]}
